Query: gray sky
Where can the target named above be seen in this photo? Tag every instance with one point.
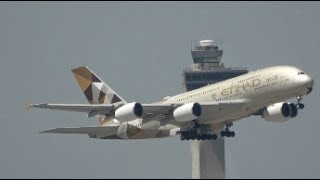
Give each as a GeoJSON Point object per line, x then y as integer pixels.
{"type": "Point", "coordinates": [140, 48]}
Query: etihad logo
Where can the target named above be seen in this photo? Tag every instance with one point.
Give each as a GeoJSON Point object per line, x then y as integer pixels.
{"type": "Point", "coordinates": [240, 87]}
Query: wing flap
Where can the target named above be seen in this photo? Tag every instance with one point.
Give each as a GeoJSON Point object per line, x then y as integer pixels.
{"type": "Point", "coordinates": [157, 108]}
{"type": "Point", "coordinates": [215, 111]}
{"type": "Point", "coordinates": [225, 104]}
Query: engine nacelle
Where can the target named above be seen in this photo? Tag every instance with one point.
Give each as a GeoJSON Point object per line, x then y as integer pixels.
{"type": "Point", "coordinates": [280, 112]}
{"type": "Point", "coordinates": [187, 112]}
{"type": "Point", "coordinates": [129, 112]}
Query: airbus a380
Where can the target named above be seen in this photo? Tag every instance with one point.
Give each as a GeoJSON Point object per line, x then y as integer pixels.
{"type": "Point", "coordinates": [200, 114]}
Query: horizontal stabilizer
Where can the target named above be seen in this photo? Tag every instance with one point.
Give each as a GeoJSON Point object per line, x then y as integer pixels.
{"type": "Point", "coordinates": [97, 132]}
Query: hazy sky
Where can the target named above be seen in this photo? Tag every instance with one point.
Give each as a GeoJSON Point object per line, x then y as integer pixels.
{"type": "Point", "coordinates": [140, 49]}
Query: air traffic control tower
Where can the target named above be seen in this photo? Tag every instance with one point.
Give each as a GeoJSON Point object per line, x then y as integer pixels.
{"type": "Point", "coordinates": [207, 67]}
{"type": "Point", "coordinates": [208, 157]}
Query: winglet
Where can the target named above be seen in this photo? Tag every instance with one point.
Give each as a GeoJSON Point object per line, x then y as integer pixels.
{"type": "Point", "coordinates": [27, 106]}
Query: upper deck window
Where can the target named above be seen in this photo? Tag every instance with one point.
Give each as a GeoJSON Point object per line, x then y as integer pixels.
{"type": "Point", "coordinates": [300, 73]}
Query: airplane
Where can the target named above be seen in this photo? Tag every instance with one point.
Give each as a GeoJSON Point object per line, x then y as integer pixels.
{"type": "Point", "coordinates": [200, 114]}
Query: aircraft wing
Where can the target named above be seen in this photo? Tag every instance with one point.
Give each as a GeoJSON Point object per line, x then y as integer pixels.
{"type": "Point", "coordinates": [91, 109]}
{"type": "Point", "coordinates": [211, 111]}
{"type": "Point", "coordinates": [106, 132]}
{"type": "Point", "coordinates": [96, 109]}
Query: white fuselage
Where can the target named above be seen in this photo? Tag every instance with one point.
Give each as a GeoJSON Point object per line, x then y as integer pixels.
{"type": "Point", "coordinates": [259, 89]}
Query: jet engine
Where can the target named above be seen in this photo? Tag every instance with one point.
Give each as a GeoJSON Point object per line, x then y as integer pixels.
{"type": "Point", "coordinates": [187, 112]}
{"type": "Point", "coordinates": [129, 112]}
{"type": "Point", "coordinates": [280, 112]}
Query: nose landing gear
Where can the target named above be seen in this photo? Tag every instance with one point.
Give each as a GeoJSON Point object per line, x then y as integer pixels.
{"type": "Point", "coordinates": [299, 104]}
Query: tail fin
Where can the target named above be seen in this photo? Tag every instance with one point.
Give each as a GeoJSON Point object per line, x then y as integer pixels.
{"type": "Point", "coordinates": [95, 90]}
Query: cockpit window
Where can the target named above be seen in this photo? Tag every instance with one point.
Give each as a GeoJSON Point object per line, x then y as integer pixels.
{"type": "Point", "coordinates": [300, 73]}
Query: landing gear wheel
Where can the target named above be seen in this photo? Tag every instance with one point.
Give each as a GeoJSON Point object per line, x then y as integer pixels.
{"type": "Point", "coordinates": [232, 134]}
{"type": "Point", "coordinates": [203, 137]}
{"type": "Point", "coordinates": [214, 137]}
{"type": "Point", "coordinates": [187, 138]}
{"type": "Point", "coordinates": [182, 138]}
{"type": "Point", "coordinates": [193, 137]}
{"type": "Point", "coordinates": [197, 132]}
{"type": "Point", "coordinates": [300, 106]}
{"type": "Point", "coordinates": [227, 133]}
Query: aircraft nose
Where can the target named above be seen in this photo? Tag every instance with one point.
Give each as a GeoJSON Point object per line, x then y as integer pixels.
{"type": "Point", "coordinates": [306, 81]}
{"type": "Point", "coordinates": [310, 86]}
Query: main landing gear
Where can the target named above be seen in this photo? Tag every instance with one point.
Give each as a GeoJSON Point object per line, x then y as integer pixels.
{"type": "Point", "coordinates": [203, 132]}
{"type": "Point", "coordinates": [227, 132]}
{"type": "Point", "coordinates": [197, 132]}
